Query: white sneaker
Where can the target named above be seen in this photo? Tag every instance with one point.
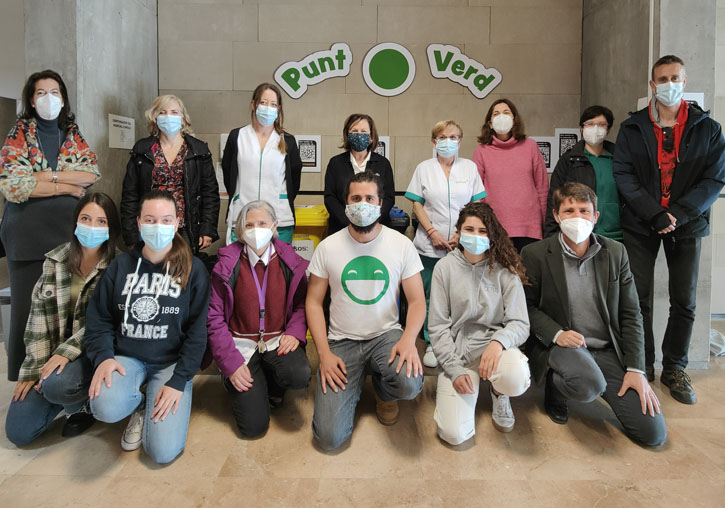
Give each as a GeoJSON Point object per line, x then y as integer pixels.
{"type": "Point", "coordinates": [429, 358]}
{"type": "Point", "coordinates": [502, 414]}
{"type": "Point", "coordinates": [131, 439]}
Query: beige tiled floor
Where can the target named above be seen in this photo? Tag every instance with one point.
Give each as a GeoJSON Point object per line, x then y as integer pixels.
{"type": "Point", "coordinates": [587, 462]}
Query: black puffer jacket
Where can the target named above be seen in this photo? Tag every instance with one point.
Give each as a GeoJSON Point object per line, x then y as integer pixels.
{"type": "Point", "coordinates": [699, 176]}
{"type": "Point", "coordinates": [573, 166]}
{"type": "Point", "coordinates": [201, 192]}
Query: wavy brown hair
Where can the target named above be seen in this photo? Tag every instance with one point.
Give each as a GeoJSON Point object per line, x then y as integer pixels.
{"type": "Point", "coordinates": [502, 249]}
{"type": "Point", "coordinates": [179, 257]}
{"type": "Point", "coordinates": [487, 132]}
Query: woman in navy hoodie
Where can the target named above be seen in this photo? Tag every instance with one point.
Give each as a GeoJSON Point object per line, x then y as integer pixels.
{"type": "Point", "coordinates": [257, 327]}
{"type": "Point", "coordinates": [146, 325]}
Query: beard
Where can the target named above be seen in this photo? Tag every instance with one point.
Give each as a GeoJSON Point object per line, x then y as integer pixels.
{"type": "Point", "coordinates": [364, 229]}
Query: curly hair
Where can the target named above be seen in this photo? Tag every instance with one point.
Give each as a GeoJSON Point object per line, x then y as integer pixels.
{"type": "Point", "coordinates": [502, 249]}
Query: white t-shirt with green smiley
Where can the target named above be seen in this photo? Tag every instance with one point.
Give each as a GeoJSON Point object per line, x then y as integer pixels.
{"type": "Point", "coordinates": [364, 281]}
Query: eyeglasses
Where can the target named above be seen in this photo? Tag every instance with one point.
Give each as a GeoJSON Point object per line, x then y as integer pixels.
{"type": "Point", "coordinates": [668, 139]}
{"type": "Point", "coordinates": [452, 138]}
{"type": "Point", "coordinates": [592, 124]}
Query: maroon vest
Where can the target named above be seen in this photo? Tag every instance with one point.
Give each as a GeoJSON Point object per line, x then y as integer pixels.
{"type": "Point", "coordinates": [245, 319]}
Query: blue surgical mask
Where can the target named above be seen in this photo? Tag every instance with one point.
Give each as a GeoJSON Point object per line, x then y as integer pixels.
{"type": "Point", "coordinates": [669, 93]}
{"type": "Point", "coordinates": [169, 124]}
{"type": "Point", "coordinates": [157, 236]}
{"type": "Point", "coordinates": [358, 141]}
{"type": "Point", "coordinates": [266, 115]}
{"type": "Point", "coordinates": [474, 244]}
{"type": "Point", "coordinates": [89, 236]}
{"type": "Point", "coordinates": [446, 147]}
{"type": "Point", "coordinates": [362, 214]}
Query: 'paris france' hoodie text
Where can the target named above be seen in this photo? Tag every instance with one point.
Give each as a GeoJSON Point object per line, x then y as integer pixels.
{"type": "Point", "coordinates": [138, 310]}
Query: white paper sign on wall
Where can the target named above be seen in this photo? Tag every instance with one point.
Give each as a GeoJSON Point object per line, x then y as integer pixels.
{"type": "Point", "coordinates": [121, 131]}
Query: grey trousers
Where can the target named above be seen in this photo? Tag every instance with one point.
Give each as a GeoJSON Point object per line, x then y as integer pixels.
{"type": "Point", "coordinates": [584, 374]}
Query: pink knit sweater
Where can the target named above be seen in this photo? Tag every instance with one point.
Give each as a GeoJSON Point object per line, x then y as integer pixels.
{"type": "Point", "coordinates": [514, 175]}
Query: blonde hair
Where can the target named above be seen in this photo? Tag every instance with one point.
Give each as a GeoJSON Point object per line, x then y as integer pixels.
{"type": "Point", "coordinates": [443, 125]}
{"type": "Point", "coordinates": [160, 103]}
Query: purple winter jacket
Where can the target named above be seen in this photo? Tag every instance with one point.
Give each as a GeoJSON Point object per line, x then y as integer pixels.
{"type": "Point", "coordinates": [220, 344]}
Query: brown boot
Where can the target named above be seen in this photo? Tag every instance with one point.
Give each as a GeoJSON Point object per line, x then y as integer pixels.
{"type": "Point", "coordinates": [387, 411]}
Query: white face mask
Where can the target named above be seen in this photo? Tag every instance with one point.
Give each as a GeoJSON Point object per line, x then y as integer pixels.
{"type": "Point", "coordinates": [502, 123]}
{"type": "Point", "coordinates": [48, 106]}
{"type": "Point", "coordinates": [594, 135]}
{"type": "Point", "coordinates": [257, 238]}
{"type": "Point", "coordinates": [577, 229]}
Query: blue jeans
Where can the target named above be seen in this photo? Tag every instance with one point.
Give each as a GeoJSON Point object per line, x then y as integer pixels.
{"type": "Point", "coordinates": [28, 419]}
{"type": "Point", "coordinates": [164, 440]}
{"type": "Point", "coordinates": [334, 412]}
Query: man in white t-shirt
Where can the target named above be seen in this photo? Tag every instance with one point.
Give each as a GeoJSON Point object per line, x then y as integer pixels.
{"type": "Point", "coordinates": [364, 265]}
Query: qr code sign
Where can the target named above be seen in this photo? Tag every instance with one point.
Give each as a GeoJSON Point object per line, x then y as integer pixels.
{"type": "Point", "coordinates": [308, 152]}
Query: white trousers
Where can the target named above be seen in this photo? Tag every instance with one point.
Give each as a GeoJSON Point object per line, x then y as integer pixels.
{"type": "Point", "coordinates": [455, 412]}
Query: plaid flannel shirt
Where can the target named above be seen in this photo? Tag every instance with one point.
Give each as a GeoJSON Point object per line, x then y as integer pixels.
{"type": "Point", "coordinates": [50, 311]}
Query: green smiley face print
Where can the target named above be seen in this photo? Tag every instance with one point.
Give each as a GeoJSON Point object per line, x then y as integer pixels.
{"type": "Point", "coordinates": [365, 280]}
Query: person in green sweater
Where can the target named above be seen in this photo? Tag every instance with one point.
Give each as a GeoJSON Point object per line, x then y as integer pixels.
{"type": "Point", "coordinates": [590, 162]}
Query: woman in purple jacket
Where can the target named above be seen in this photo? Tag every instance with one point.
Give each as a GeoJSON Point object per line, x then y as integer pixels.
{"type": "Point", "coordinates": [254, 334]}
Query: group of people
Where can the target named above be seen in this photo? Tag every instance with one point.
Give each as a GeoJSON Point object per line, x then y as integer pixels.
{"type": "Point", "coordinates": [508, 277]}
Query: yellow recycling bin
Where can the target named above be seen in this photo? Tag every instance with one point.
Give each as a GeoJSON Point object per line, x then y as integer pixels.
{"type": "Point", "coordinates": [310, 229]}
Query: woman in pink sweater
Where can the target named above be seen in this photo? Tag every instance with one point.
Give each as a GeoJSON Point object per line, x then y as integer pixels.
{"type": "Point", "coordinates": [513, 173]}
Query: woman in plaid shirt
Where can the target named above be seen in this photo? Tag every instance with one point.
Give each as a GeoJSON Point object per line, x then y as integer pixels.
{"type": "Point", "coordinates": [56, 373]}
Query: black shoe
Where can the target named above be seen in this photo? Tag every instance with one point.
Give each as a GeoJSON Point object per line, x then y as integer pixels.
{"type": "Point", "coordinates": [554, 402]}
{"type": "Point", "coordinates": [650, 371]}
{"type": "Point", "coordinates": [77, 424]}
{"type": "Point", "coordinates": [276, 401]}
{"type": "Point", "coordinates": [680, 386]}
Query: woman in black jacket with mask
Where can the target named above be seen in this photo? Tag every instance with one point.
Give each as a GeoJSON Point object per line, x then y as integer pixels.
{"type": "Point", "coordinates": [172, 160]}
{"type": "Point", "coordinates": [359, 139]}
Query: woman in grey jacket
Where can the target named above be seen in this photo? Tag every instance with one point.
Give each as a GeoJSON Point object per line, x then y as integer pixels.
{"type": "Point", "coordinates": [477, 320]}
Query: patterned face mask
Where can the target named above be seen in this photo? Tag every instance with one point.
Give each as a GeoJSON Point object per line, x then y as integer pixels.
{"type": "Point", "coordinates": [362, 214]}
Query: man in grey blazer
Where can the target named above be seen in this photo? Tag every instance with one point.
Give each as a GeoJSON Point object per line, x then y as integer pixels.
{"type": "Point", "coordinates": [587, 336]}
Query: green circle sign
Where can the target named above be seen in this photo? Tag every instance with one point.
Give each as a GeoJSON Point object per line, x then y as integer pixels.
{"type": "Point", "coordinates": [388, 69]}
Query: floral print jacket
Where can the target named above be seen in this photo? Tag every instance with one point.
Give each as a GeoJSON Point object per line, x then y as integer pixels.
{"type": "Point", "coordinates": [21, 157]}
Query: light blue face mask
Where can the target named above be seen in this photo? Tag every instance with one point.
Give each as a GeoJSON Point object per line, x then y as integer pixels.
{"type": "Point", "coordinates": [669, 93]}
{"type": "Point", "coordinates": [446, 147]}
{"type": "Point", "coordinates": [266, 115]}
{"type": "Point", "coordinates": [169, 124]}
{"type": "Point", "coordinates": [89, 236]}
{"type": "Point", "coordinates": [474, 244]}
{"type": "Point", "coordinates": [157, 236]}
{"type": "Point", "coordinates": [362, 214]}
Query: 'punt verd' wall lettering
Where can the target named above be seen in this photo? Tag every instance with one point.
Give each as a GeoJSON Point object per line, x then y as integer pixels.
{"type": "Point", "coordinates": [388, 69]}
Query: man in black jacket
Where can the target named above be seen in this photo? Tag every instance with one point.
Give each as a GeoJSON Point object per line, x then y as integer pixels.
{"type": "Point", "coordinates": [669, 165]}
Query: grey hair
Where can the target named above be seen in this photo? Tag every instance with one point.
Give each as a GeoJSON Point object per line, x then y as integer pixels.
{"type": "Point", "coordinates": [259, 204]}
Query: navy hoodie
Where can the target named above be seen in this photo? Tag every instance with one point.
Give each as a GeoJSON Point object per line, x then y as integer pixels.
{"type": "Point", "coordinates": [138, 310]}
